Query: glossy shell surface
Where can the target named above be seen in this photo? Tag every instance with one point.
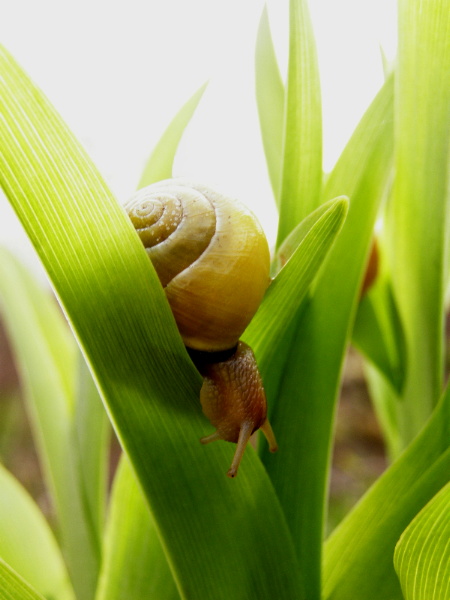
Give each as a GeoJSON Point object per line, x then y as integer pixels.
{"type": "Point", "coordinates": [211, 256]}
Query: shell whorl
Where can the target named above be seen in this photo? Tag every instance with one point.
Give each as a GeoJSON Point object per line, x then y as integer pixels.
{"type": "Point", "coordinates": [211, 257]}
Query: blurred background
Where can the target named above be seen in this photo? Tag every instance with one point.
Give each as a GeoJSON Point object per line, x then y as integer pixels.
{"type": "Point", "coordinates": [119, 71]}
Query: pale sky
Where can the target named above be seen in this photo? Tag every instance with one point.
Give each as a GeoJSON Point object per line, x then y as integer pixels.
{"type": "Point", "coordinates": [118, 72]}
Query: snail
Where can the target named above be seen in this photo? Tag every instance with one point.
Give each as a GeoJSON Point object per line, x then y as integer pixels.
{"type": "Point", "coordinates": [212, 259]}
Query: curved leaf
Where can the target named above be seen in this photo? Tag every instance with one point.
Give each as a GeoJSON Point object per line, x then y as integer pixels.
{"type": "Point", "coordinates": [270, 101]}
{"type": "Point", "coordinates": [13, 587]}
{"type": "Point", "coordinates": [47, 360]}
{"type": "Point", "coordinates": [27, 543]}
{"type": "Point", "coordinates": [422, 556]}
{"type": "Point", "coordinates": [135, 565]}
{"type": "Point", "coordinates": [365, 540]}
{"type": "Point", "coordinates": [218, 545]}
{"type": "Point", "coordinates": [312, 239]}
{"type": "Point", "coordinates": [159, 164]}
{"type": "Point", "coordinates": [310, 384]}
{"type": "Point", "coordinates": [302, 150]}
{"type": "Point", "coordinates": [378, 333]}
{"type": "Point", "coordinates": [418, 213]}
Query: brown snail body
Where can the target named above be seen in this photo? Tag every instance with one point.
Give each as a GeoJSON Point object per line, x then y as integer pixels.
{"type": "Point", "coordinates": [213, 261]}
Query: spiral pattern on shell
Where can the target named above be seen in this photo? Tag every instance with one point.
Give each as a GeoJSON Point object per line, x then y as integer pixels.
{"type": "Point", "coordinates": [211, 257]}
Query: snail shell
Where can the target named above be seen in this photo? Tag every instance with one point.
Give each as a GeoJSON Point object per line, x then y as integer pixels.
{"type": "Point", "coordinates": [211, 256]}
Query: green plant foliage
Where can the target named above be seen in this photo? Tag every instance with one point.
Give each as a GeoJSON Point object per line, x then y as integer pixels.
{"type": "Point", "coordinates": [416, 217]}
{"type": "Point", "coordinates": [379, 335]}
{"type": "Point", "coordinates": [270, 99]}
{"type": "Point", "coordinates": [358, 559]}
{"type": "Point", "coordinates": [48, 361]}
{"type": "Point", "coordinates": [159, 163]}
{"type": "Point", "coordinates": [103, 276]}
{"type": "Point", "coordinates": [135, 564]}
{"type": "Point", "coordinates": [26, 542]}
{"type": "Point", "coordinates": [302, 256]}
{"type": "Point", "coordinates": [304, 407]}
{"type": "Point", "coordinates": [422, 556]}
{"type": "Point", "coordinates": [176, 527]}
{"type": "Point", "coordinates": [13, 587]}
{"type": "Point", "coordinates": [301, 178]}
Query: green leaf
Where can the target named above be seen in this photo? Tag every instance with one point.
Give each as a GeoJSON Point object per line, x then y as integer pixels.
{"type": "Point", "coordinates": [90, 442]}
{"type": "Point", "coordinates": [270, 101]}
{"type": "Point", "coordinates": [159, 164]}
{"type": "Point", "coordinates": [135, 565]}
{"type": "Point", "coordinates": [13, 587]}
{"type": "Point", "coordinates": [302, 151]}
{"type": "Point", "coordinates": [378, 333]}
{"type": "Point", "coordinates": [358, 561]}
{"type": "Point", "coordinates": [47, 359]}
{"type": "Point", "coordinates": [417, 216]}
{"type": "Point", "coordinates": [384, 399]}
{"type": "Point", "coordinates": [217, 544]}
{"type": "Point", "coordinates": [422, 556]}
{"type": "Point", "coordinates": [302, 255]}
{"type": "Point", "coordinates": [296, 237]}
{"type": "Point", "coordinates": [27, 543]}
{"type": "Point", "coordinates": [303, 416]}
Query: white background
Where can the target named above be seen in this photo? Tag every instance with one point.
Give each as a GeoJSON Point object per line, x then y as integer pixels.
{"type": "Point", "coordinates": [118, 71]}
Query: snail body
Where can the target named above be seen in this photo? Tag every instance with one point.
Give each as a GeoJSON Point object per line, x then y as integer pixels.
{"type": "Point", "coordinates": [212, 258]}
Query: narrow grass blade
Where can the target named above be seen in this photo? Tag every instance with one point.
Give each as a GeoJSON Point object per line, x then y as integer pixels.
{"type": "Point", "coordinates": [47, 358]}
{"type": "Point", "coordinates": [418, 214]}
{"type": "Point", "coordinates": [422, 556]}
{"type": "Point", "coordinates": [217, 544]}
{"type": "Point", "coordinates": [364, 543]}
{"type": "Point", "coordinates": [302, 150]}
{"type": "Point", "coordinates": [303, 414]}
{"type": "Point", "coordinates": [135, 565]}
{"type": "Point", "coordinates": [13, 587]}
{"type": "Point", "coordinates": [159, 164]}
{"type": "Point", "coordinates": [270, 101]}
{"type": "Point", "coordinates": [27, 543]}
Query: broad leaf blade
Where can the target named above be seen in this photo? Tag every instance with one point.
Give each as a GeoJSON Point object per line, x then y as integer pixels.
{"type": "Point", "coordinates": [218, 545]}
{"type": "Point", "coordinates": [159, 164]}
{"type": "Point", "coordinates": [135, 565]}
{"type": "Point", "coordinates": [47, 356]}
{"type": "Point", "coordinates": [364, 543]}
{"type": "Point", "coordinates": [270, 101]}
{"type": "Point", "coordinates": [27, 543]}
{"type": "Point", "coordinates": [422, 556]}
{"type": "Point", "coordinates": [302, 151]}
{"type": "Point", "coordinates": [13, 587]}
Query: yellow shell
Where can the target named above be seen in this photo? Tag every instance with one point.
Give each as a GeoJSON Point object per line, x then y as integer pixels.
{"type": "Point", "coordinates": [211, 256]}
